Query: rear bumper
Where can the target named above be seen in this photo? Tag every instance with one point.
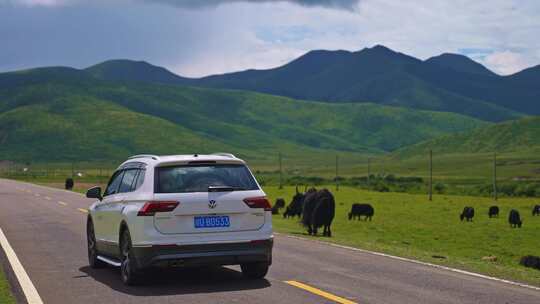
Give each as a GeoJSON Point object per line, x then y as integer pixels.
{"type": "Point", "coordinates": [203, 255]}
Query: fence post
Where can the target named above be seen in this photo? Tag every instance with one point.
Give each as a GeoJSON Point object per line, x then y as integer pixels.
{"type": "Point", "coordinates": [430, 175]}
{"type": "Point", "coordinates": [495, 196]}
{"type": "Point", "coordinates": [368, 170]}
{"type": "Point", "coordinates": [280, 172]}
{"type": "Point", "coordinates": [337, 173]}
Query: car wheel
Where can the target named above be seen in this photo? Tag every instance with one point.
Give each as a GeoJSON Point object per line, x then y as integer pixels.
{"type": "Point", "coordinates": [92, 247]}
{"type": "Point", "coordinates": [255, 270]}
{"type": "Point", "coordinates": [128, 270]}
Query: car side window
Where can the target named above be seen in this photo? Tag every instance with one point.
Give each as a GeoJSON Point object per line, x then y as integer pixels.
{"type": "Point", "coordinates": [127, 181]}
{"type": "Point", "coordinates": [112, 188]}
{"type": "Point", "coordinates": [140, 179]}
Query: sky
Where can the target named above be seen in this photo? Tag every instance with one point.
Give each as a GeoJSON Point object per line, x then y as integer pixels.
{"type": "Point", "coordinates": [201, 37]}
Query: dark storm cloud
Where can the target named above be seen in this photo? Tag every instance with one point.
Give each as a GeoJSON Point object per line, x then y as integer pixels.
{"type": "Point", "coordinates": [194, 4]}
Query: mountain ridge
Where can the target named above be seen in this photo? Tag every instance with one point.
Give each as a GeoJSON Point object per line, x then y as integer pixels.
{"type": "Point", "coordinates": [128, 70]}
{"type": "Point", "coordinates": [448, 83]}
{"type": "Point", "coordinates": [460, 63]}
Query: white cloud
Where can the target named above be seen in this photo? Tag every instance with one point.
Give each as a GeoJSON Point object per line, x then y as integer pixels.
{"type": "Point", "coordinates": [506, 62]}
{"type": "Point", "coordinates": [34, 2]}
{"type": "Point", "coordinates": [237, 35]}
{"type": "Point", "coordinates": [419, 28]}
{"type": "Point", "coordinates": [195, 4]}
{"type": "Point", "coordinates": [343, 4]}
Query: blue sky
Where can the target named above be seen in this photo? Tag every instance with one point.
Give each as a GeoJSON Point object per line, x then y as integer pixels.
{"type": "Point", "coordinates": [202, 37]}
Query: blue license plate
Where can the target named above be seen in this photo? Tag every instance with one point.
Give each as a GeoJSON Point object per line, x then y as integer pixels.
{"type": "Point", "coordinates": [213, 221]}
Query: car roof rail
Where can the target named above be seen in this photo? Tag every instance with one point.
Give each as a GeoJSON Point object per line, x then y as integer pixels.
{"type": "Point", "coordinates": [229, 155]}
{"type": "Point", "coordinates": [154, 157]}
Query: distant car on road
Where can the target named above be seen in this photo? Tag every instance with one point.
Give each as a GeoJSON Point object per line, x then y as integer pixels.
{"type": "Point", "coordinates": [183, 210]}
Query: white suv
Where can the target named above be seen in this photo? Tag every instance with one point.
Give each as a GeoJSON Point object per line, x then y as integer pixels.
{"type": "Point", "coordinates": [183, 210]}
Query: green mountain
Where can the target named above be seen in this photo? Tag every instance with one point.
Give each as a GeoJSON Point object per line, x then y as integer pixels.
{"type": "Point", "coordinates": [449, 82]}
{"type": "Point", "coordinates": [511, 136]}
{"type": "Point", "coordinates": [140, 71]}
{"type": "Point", "coordinates": [510, 92]}
{"type": "Point", "coordinates": [61, 113]}
{"type": "Point", "coordinates": [527, 77]}
{"type": "Point", "coordinates": [460, 63]}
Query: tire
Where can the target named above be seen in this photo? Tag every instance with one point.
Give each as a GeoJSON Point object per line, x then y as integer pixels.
{"type": "Point", "coordinates": [255, 270]}
{"type": "Point", "coordinates": [92, 247]}
{"type": "Point", "coordinates": [128, 271]}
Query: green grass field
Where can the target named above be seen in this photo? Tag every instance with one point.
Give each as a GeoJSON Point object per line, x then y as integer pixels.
{"type": "Point", "coordinates": [5, 292]}
{"type": "Point", "coordinates": [410, 226]}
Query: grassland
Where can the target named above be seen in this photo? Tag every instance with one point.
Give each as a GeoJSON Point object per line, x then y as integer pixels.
{"type": "Point", "coordinates": [461, 173]}
{"type": "Point", "coordinates": [476, 167]}
{"type": "Point", "coordinates": [410, 226]}
{"type": "Point", "coordinates": [5, 293]}
{"type": "Point", "coordinates": [515, 135]}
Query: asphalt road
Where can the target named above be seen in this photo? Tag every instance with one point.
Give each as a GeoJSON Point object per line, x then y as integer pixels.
{"type": "Point", "coordinates": [46, 230]}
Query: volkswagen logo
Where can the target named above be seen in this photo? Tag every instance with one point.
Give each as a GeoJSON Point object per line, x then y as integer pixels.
{"type": "Point", "coordinates": [212, 204]}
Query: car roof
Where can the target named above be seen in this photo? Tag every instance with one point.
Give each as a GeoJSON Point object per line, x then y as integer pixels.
{"type": "Point", "coordinates": [164, 160]}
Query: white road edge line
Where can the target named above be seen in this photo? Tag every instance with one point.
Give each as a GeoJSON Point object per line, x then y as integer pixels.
{"type": "Point", "coordinates": [29, 290]}
{"type": "Point", "coordinates": [473, 274]}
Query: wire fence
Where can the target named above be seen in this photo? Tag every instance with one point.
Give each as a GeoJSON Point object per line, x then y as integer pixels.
{"type": "Point", "coordinates": [483, 175]}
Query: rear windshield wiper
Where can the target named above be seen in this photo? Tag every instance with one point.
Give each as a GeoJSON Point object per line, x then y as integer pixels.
{"type": "Point", "coordinates": [224, 188]}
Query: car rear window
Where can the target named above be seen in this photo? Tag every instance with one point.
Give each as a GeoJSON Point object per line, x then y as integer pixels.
{"type": "Point", "coordinates": [127, 181]}
{"type": "Point", "coordinates": [198, 178]}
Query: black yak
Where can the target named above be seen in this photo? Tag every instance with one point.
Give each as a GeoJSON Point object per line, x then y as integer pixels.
{"type": "Point", "coordinates": [493, 211]}
{"type": "Point", "coordinates": [359, 210]}
{"type": "Point", "coordinates": [468, 213]}
{"type": "Point", "coordinates": [280, 203]}
{"type": "Point", "coordinates": [296, 205]}
{"type": "Point", "coordinates": [530, 261]}
{"type": "Point", "coordinates": [319, 211]}
{"type": "Point", "coordinates": [536, 210]}
{"type": "Point", "coordinates": [310, 201]}
{"type": "Point", "coordinates": [69, 183]}
{"type": "Point", "coordinates": [514, 219]}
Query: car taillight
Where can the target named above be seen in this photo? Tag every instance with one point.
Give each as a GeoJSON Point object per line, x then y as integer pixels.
{"type": "Point", "coordinates": [258, 202]}
{"type": "Point", "coordinates": [151, 208]}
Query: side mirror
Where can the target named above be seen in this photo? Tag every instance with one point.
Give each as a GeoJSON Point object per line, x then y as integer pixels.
{"type": "Point", "coordinates": [94, 192]}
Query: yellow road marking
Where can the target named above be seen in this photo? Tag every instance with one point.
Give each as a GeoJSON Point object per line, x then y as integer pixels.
{"type": "Point", "coordinates": [319, 292]}
{"type": "Point", "coordinates": [82, 210]}
{"type": "Point", "coordinates": [62, 203]}
{"type": "Point", "coordinates": [47, 198]}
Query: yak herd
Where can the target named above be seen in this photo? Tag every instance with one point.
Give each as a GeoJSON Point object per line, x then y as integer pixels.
{"type": "Point", "coordinates": [514, 218]}
{"type": "Point", "coordinates": [316, 209]}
